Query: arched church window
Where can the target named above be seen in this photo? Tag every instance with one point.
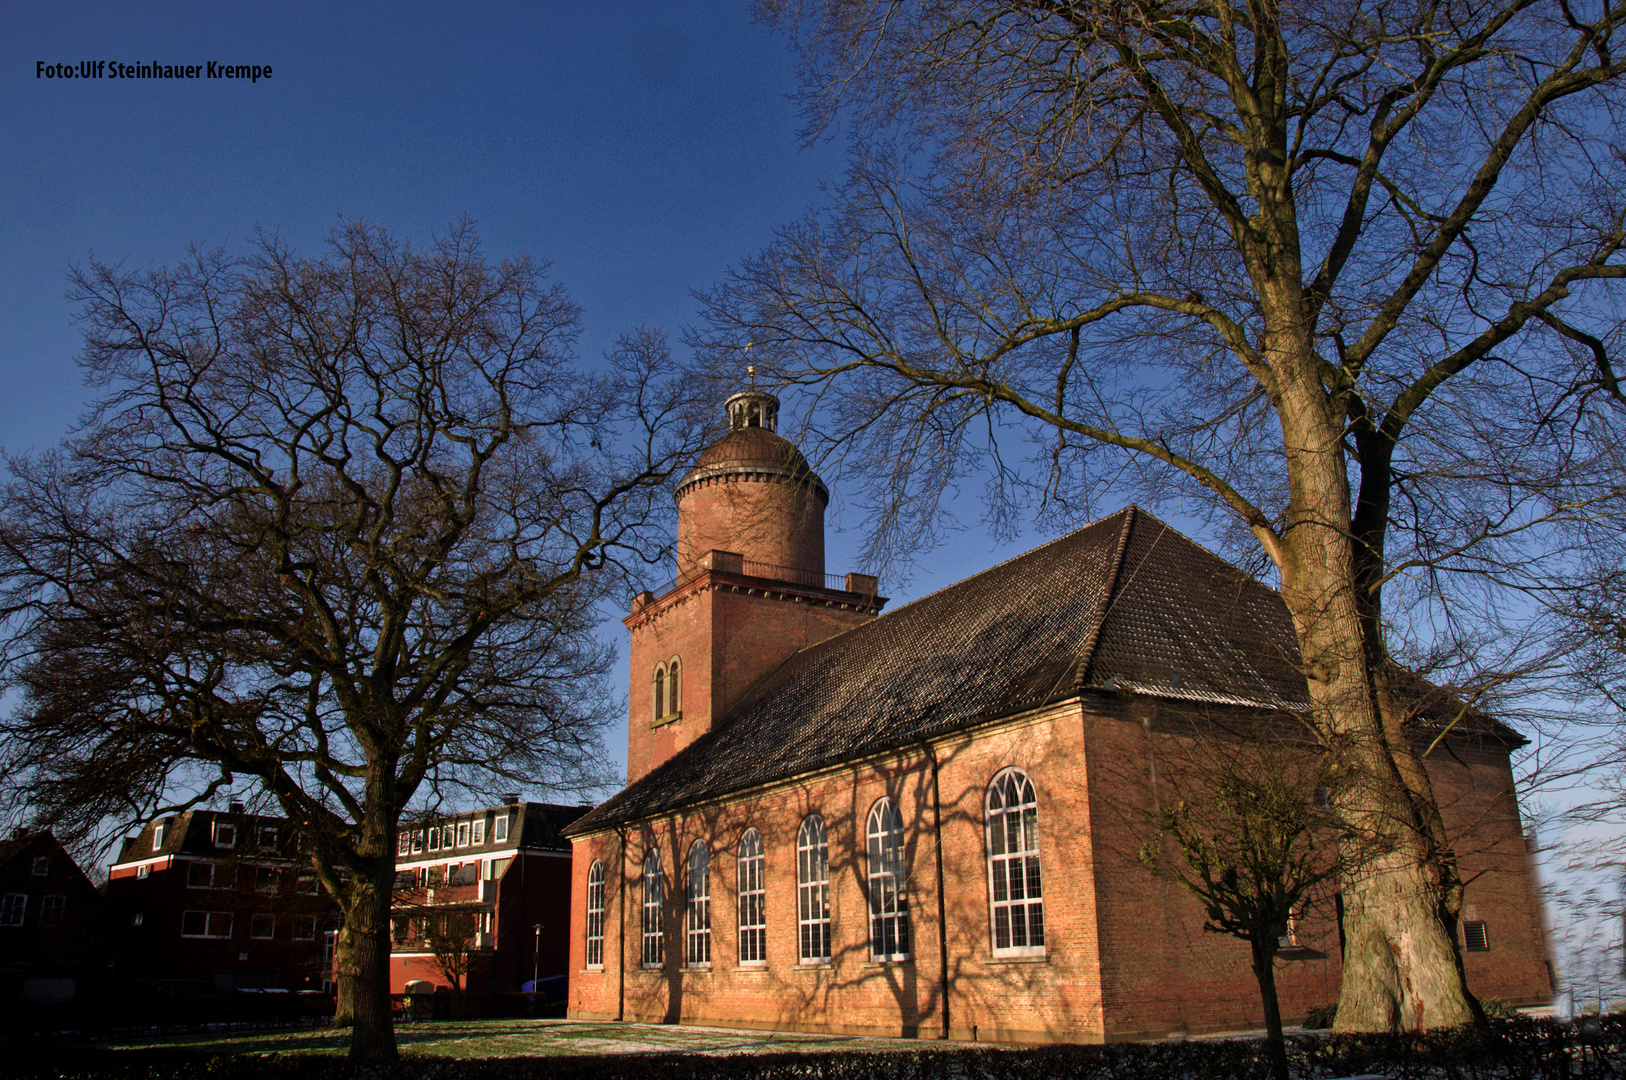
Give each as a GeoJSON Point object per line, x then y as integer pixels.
{"type": "Point", "coordinates": [654, 952]}
{"type": "Point", "coordinates": [595, 915]}
{"type": "Point", "coordinates": [674, 687]}
{"type": "Point", "coordinates": [813, 891]}
{"type": "Point", "coordinates": [887, 879]}
{"type": "Point", "coordinates": [752, 901]}
{"type": "Point", "coordinates": [660, 691]}
{"type": "Point", "coordinates": [697, 906]}
{"type": "Point", "coordinates": [1015, 887]}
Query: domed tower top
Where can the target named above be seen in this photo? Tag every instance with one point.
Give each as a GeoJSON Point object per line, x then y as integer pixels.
{"type": "Point", "coordinates": [752, 493]}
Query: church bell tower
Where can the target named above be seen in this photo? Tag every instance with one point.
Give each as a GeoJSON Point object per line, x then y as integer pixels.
{"type": "Point", "coordinates": [750, 587]}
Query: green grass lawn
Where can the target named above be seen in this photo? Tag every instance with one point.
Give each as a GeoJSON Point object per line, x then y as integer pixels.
{"type": "Point", "coordinates": [531, 1038]}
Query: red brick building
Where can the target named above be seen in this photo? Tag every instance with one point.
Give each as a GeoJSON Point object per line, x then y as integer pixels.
{"type": "Point", "coordinates": [53, 922]}
{"type": "Point", "coordinates": [913, 823]}
{"type": "Point", "coordinates": [209, 902]}
{"type": "Point", "coordinates": [485, 882]}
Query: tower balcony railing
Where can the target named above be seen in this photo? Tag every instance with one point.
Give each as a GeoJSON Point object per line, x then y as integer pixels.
{"type": "Point", "coordinates": [728, 562]}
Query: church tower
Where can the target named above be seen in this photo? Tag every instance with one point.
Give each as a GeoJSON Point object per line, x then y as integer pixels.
{"type": "Point", "coordinates": [750, 588]}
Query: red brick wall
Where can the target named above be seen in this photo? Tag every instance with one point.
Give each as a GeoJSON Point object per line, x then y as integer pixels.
{"type": "Point", "coordinates": [764, 518]}
{"type": "Point", "coordinates": [1126, 956]}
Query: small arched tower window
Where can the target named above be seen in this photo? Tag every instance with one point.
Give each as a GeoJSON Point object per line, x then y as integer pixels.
{"type": "Point", "coordinates": [1015, 886]}
{"type": "Point", "coordinates": [674, 687]}
{"type": "Point", "coordinates": [660, 691]}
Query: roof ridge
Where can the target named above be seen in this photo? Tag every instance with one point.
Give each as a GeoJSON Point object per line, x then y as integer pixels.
{"type": "Point", "coordinates": [1086, 654]}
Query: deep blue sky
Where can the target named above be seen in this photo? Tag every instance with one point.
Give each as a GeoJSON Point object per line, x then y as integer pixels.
{"type": "Point", "coordinates": [643, 148]}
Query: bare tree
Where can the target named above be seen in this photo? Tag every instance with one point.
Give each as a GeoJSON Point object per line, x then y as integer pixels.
{"type": "Point", "coordinates": [337, 528]}
{"type": "Point", "coordinates": [1338, 271]}
{"type": "Point", "coordinates": [1246, 826]}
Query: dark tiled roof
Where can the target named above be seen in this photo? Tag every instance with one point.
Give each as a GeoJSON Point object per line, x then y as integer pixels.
{"type": "Point", "coordinates": [545, 823]}
{"type": "Point", "coordinates": [1125, 604]}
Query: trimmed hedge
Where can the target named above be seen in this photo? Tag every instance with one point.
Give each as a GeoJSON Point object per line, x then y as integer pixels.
{"type": "Point", "coordinates": [1522, 1049]}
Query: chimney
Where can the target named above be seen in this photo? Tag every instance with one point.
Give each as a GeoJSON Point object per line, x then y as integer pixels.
{"type": "Point", "coordinates": [237, 808]}
{"type": "Point", "coordinates": [511, 799]}
{"type": "Point", "coordinates": [18, 832]}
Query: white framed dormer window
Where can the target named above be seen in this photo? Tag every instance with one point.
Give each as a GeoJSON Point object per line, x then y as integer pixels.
{"type": "Point", "coordinates": [813, 892]}
{"type": "Point", "coordinates": [434, 839]}
{"type": "Point", "coordinates": [654, 939]}
{"type": "Point", "coordinates": [595, 915]}
{"type": "Point", "coordinates": [477, 834]}
{"type": "Point", "coordinates": [143, 871]}
{"type": "Point", "coordinates": [159, 828]}
{"type": "Point", "coordinates": [225, 834]}
{"type": "Point", "coordinates": [753, 909]}
{"type": "Point", "coordinates": [697, 906]}
{"type": "Point", "coordinates": [887, 880]}
{"type": "Point", "coordinates": [462, 834]}
{"type": "Point", "coordinates": [403, 844]}
{"type": "Point", "coordinates": [1015, 885]}
{"type": "Point", "coordinates": [417, 841]}
{"type": "Point", "coordinates": [499, 828]}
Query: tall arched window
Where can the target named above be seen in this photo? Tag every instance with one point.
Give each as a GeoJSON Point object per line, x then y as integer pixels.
{"type": "Point", "coordinates": [654, 954]}
{"type": "Point", "coordinates": [595, 915]}
{"type": "Point", "coordinates": [660, 691]}
{"type": "Point", "coordinates": [813, 891]}
{"type": "Point", "coordinates": [752, 901]}
{"type": "Point", "coordinates": [888, 898]}
{"type": "Point", "coordinates": [1016, 893]}
{"type": "Point", "coordinates": [674, 687]}
{"type": "Point", "coordinates": [697, 906]}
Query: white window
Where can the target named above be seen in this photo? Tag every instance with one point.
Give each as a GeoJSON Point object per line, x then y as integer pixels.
{"type": "Point", "coordinates": [206, 924]}
{"type": "Point", "coordinates": [499, 828]}
{"type": "Point", "coordinates": [138, 918]}
{"type": "Point", "coordinates": [262, 926]}
{"type": "Point", "coordinates": [159, 828]}
{"type": "Point", "coordinates": [654, 941]}
{"type": "Point", "coordinates": [206, 875]}
{"type": "Point", "coordinates": [417, 842]}
{"type": "Point", "coordinates": [13, 907]}
{"type": "Point", "coordinates": [143, 871]}
{"type": "Point", "coordinates": [434, 839]}
{"type": "Point", "coordinates": [462, 834]}
{"type": "Point", "coordinates": [305, 928]}
{"type": "Point", "coordinates": [595, 915]}
{"type": "Point", "coordinates": [42, 866]}
{"type": "Point", "coordinates": [888, 896]}
{"type": "Point", "coordinates": [1015, 888]}
{"type": "Point", "coordinates": [813, 891]}
{"type": "Point", "coordinates": [225, 834]}
{"type": "Point", "coordinates": [51, 908]}
{"type": "Point", "coordinates": [697, 906]}
{"type": "Point", "coordinates": [479, 836]}
{"type": "Point", "coordinates": [403, 845]}
{"type": "Point", "coordinates": [752, 901]}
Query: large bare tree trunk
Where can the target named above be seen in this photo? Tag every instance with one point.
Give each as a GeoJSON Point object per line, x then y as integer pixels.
{"type": "Point", "coordinates": [1400, 963]}
{"type": "Point", "coordinates": [367, 923]}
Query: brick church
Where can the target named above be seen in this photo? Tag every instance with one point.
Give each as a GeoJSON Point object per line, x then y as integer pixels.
{"type": "Point", "coordinates": [913, 823]}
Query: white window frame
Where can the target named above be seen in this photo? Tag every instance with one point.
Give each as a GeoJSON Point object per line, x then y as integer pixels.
{"type": "Point", "coordinates": [1017, 920]}
{"type": "Point", "coordinates": [478, 834]}
{"type": "Point", "coordinates": [697, 906]}
{"type": "Point", "coordinates": [887, 880]}
{"type": "Point", "coordinates": [159, 828]}
{"type": "Point", "coordinates": [403, 845]}
{"type": "Point", "coordinates": [417, 841]}
{"type": "Point", "coordinates": [224, 834]}
{"type": "Point", "coordinates": [499, 828]}
{"type": "Point", "coordinates": [143, 871]}
{"type": "Point", "coordinates": [52, 908]}
{"type": "Point", "coordinates": [307, 924]}
{"type": "Point", "coordinates": [752, 900]}
{"type": "Point", "coordinates": [595, 915]}
{"type": "Point", "coordinates": [138, 918]}
{"type": "Point", "coordinates": [13, 908]}
{"type": "Point", "coordinates": [214, 875]}
{"type": "Point", "coordinates": [653, 951]}
{"type": "Point", "coordinates": [253, 923]}
{"type": "Point", "coordinates": [462, 834]}
{"type": "Point", "coordinates": [212, 928]}
{"type": "Point", "coordinates": [434, 838]}
{"type": "Point", "coordinates": [813, 925]}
